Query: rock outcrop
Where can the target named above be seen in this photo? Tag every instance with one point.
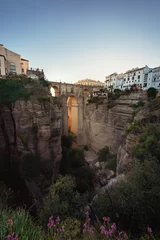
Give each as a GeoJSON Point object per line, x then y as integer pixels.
{"type": "Point", "coordinates": [31, 126]}
{"type": "Point", "coordinates": [106, 124]}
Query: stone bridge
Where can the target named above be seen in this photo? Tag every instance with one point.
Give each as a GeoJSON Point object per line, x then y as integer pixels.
{"type": "Point", "coordinates": [72, 98]}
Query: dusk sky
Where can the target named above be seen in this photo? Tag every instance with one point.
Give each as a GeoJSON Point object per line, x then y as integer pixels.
{"type": "Point", "coordinates": [77, 39]}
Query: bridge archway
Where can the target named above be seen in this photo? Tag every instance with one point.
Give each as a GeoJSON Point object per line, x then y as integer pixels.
{"type": "Point", "coordinates": [72, 114]}
{"type": "Point", "coordinates": [54, 91]}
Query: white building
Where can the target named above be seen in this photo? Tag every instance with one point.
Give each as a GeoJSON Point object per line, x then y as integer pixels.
{"type": "Point", "coordinates": [119, 81]}
{"type": "Point", "coordinates": [155, 77]}
{"type": "Point", "coordinates": [142, 78]}
{"type": "Point", "coordinates": [110, 81]}
{"type": "Point", "coordinates": [136, 76]}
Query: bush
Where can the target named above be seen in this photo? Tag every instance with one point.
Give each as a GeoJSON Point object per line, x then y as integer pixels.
{"type": "Point", "coordinates": [23, 225]}
{"type": "Point", "coordinates": [135, 199]}
{"type": "Point", "coordinates": [151, 93]}
{"type": "Point", "coordinates": [63, 200]}
{"type": "Point", "coordinates": [12, 90]}
{"type": "Point", "coordinates": [112, 163]}
{"type": "Point", "coordinates": [149, 143]}
{"type": "Point", "coordinates": [103, 154]}
{"type": "Point", "coordinates": [137, 107]}
{"type": "Point", "coordinates": [134, 125]}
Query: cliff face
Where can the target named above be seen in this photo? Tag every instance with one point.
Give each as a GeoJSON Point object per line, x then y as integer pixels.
{"type": "Point", "coordinates": [32, 126]}
{"type": "Point", "coordinates": [106, 124]}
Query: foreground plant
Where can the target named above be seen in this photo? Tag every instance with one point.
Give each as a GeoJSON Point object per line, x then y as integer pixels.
{"type": "Point", "coordinates": [71, 229]}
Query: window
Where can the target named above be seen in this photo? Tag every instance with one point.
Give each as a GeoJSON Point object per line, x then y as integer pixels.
{"type": "Point", "coordinates": [132, 78]}
{"type": "Point", "coordinates": [128, 79]}
{"type": "Point", "coordinates": [138, 76]}
{"type": "Point", "coordinates": [12, 67]}
{"type": "Point", "coordinates": [22, 70]}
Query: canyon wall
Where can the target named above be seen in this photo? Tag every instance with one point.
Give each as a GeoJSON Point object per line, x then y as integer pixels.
{"type": "Point", "coordinates": [32, 126]}
{"type": "Point", "coordinates": [106, 124]}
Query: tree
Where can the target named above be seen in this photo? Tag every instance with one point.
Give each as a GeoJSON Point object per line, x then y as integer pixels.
{"type": "Point", "coordinates": [63, 200]}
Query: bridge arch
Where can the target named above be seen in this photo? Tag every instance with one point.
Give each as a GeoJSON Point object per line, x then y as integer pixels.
{"type": "Point", "coordinates": [72, 105]}
{"type": "Point", "coordinates": [54, 91]}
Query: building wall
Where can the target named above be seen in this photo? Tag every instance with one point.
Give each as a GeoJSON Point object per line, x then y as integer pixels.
{"type": "Point", "coordinates": [12, 60]}
{"type": "Point", "coordinates": [2, 66]}
{"type": "Point", "coordinates": [156, 77]}
{"type": "Point", "coordinates": [24, 66]}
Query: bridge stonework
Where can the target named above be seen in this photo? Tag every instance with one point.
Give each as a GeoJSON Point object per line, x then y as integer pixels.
{"type": "Point", "coordinates": [63, 91]}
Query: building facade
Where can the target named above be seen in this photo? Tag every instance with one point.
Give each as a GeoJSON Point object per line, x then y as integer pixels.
{"type": "Point", "coordinates": [90, 82]}
{"type": "Point", "coordinates": [143, 78]}
{"type": "Point", "coordinates": [110, 81]}
{"type": "Point", "coordinates": [12, 63]}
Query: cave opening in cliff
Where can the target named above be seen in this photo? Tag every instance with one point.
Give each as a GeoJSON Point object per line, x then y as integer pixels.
{"type": "Point", "coordinates": [54, 91]}
{"type": "Point", "coordinates": [72, 114]}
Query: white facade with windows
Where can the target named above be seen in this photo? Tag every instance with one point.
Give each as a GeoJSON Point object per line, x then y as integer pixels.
{"type": "Point", "coordinates": [119, 81]}
{"type": "Point", "coordinates": [110, 81]}
{"type": "Point", "coordinates": [155, 76]}
{"type": "Point", "coordinates": [142, 78]}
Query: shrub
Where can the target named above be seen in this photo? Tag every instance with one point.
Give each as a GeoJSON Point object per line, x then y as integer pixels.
{"type": "Point", "coordinates": [149, 143]}
{"type": "Point", "coordinates": [112, 163]}
{"type": "Point", "coordinates": [103, 154]}
{"type": "Point", "coordinates": [135, 199]}
{"type": "Point", "coordinates": [21, 224]}
{"type": "Point", "coordinates": [137, 107]}
{"type": "Point", "coordinates": [63, 200]}
{"type": "Point", "coordinates": [151, 93]}
{"type": "Point", "coordinates": [134, 125]}
{"type": "Point", "coordinates": [12, 90]}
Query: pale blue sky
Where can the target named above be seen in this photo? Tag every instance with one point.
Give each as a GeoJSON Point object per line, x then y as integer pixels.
{"type": "Point", "coordinates": [77, 39]}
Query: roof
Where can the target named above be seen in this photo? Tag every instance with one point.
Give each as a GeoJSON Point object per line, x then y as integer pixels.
{"type": "Point", "coordinates": [135, 70]}
{"type": "Point", "coordinates": [112, 74]}
{"type": "Point", "coordinates": [24, 60]}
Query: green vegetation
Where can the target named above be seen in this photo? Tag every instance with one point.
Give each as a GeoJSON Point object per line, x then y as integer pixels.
{"type": "Point", "coordinates": [137, 107]}
{"type": "Point", "coordinates": [23, 225]}
{"type": "Point", "coordinates": [111, 164]}
{"type": "Point", "coordinates": [12, 90]}
{"type": "Point", "coordinates": [136, 197]}
{"type": "Point", "coordinates": [63, 200]}
{"type": "Point", "coordinates": [151, 93]}
{"type": "Point", "coordinates": [73, 163]}
{"type": "Point", "coordinates": [134, 125]}
{"type": "Point", "coordinates": [104, 155]}
{"type": "Point", "coordinates": [149, 143]}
